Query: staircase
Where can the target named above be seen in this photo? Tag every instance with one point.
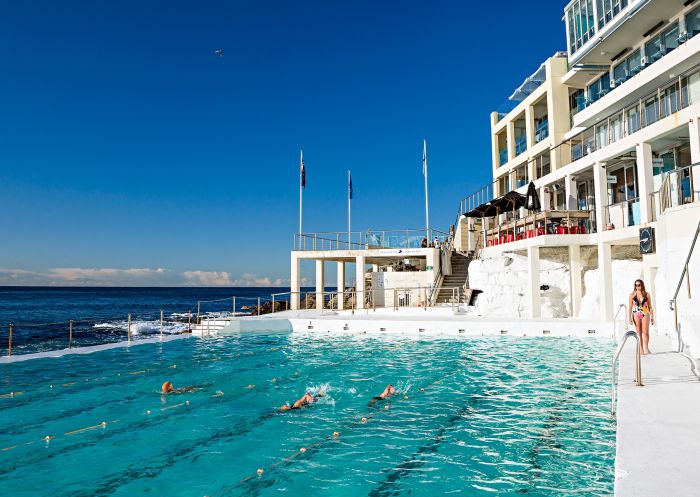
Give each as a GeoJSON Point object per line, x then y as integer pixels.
{"type": "Point", "coordinates": [459, 278]}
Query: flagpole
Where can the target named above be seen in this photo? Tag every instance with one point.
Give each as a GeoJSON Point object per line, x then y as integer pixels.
{"type": "Point", "coordinates": [301, 190]}
{"type": "Point", "coordinates": [425, 177]}
{"type": "Point", "coordinates": [349, 199]}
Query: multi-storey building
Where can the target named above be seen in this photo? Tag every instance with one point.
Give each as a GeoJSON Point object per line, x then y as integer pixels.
{"type": "Point", "coordinates": [610, 135]}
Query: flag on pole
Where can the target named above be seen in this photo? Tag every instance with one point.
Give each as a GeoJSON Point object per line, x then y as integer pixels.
{"type": "Point", "coordinates": [302, 173]}
{"type": "Point", "coordinates": [425, 160]}
{"type": "Point", "coordinates": [349, 185]}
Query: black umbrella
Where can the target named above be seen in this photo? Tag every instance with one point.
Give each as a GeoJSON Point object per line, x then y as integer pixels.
{"type": "Point", "coordinates": [532, 201]}
{"type": "Point", "coordinates": [484, 210]}
{"type": "Point", "coordinates": [510, 201]}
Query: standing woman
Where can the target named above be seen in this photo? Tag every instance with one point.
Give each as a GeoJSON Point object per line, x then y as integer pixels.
{"type": "Point", "coordinates": [641, 312]}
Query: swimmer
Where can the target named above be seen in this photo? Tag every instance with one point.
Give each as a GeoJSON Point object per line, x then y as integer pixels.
{"type": "Point", "coordinates": [306, 400]}
{"type": "Point", "coordinates": [168, 388]}
{"type": "Point", "coordinates": [389, 390]}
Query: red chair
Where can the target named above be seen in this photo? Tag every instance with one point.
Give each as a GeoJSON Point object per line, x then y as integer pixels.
{"type": "Point", "coordinates": [574, 230]}
{"type": "Point", "coordinates": [510, 238]}
{"type": "Point", "coordinates": [519, 236]}
{"type": "Point", "coordinates": [541, 231]}
{"type": "Point", "coordinates": [529, 234]}
{"type": "Point", "coordinates": [503, 239]}
{"type": "Point", "coordinates": [562, 230]}
{"type": "Point", "coordinates": [582, 229]}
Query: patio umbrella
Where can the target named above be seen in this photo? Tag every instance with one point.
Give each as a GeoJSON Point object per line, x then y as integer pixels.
{"type": "Point", "coordinates": [511, 201]}
{"type": "Point", "coordinates": [532, 200]}
{"type": "Point", "coordinates": [487, 209]}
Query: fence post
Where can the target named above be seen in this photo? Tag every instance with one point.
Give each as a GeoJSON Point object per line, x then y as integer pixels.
{"type": "Point", "coordinates": [9, 343]}
{"type": "Point", "coordinates": [273, 303]}
{"type": "Point", "coordinates": [161, 323]}
{"type": "Point", "coordinates": [396, 299]}
{"type": "Point", "coordinates": [353, 296]}
{"type": "Point", "coordinates": [198, 306]}
{"type": "Point", "coordinates": [306, 301]}
{"type": "Point", "coordinates": [425, 299]}
{"type": "Point", "coordinates": [70, 334]}
{"type": "Point", "coordinates": [189, 321]}
{"type": "Point", "coordinates": [233, 309]}
{"type": "Point", "coordinates": [258, 306]}
{"type": "Point", "coordinates": [128, 329]}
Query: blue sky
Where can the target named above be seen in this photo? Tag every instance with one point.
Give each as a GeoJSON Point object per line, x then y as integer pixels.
{"type": "Point", "coordinates": [131, 154]}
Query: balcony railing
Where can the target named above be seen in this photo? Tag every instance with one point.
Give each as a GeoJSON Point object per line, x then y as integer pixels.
{"type": "Point", "coordinates": [622, 214]}
{"type": "Point", "coordinates": [661, 103]}
{"type": "Point", "coordinates": [549, 222]}
{"type": "Point", "coordinates": [363, 240]}
{"type": "Point", "coordinates": [520, 145]}
{"type": "Point", "coordinates": [680, 186]}
{"type": "Point", "coordinates": [503, 156]}
{"type": "Point", "coordinates": [542, 131]}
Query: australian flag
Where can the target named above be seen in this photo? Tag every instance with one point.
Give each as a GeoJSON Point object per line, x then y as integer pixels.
{"type": "Point", "coordinates": [302, 172]}
{"type": "Point", "coordinates": [349, 185]}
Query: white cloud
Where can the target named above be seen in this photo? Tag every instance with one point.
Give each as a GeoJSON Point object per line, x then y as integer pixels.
{"type": "Point", "coordinates": [208, 278]}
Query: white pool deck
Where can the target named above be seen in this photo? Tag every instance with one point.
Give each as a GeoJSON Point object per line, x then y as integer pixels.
{"type": "Point", "coordinates": [658, 425]}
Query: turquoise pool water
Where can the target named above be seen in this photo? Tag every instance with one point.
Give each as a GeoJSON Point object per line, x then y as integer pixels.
{"type": "Point", "coordinates": [496, 416]}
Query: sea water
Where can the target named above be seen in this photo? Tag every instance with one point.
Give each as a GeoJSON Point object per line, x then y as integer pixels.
{"type": "Point", "coordinates": [471, 416]}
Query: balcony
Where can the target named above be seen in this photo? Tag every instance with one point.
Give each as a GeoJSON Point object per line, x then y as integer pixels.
{"type": "Point", "coordinates": [542, 131]}
{"type": "Point", "coordinates": [370, 239]}
{"type": "Point", "coordinates": [503, 156]}
{"type": "Point", "coordinates": [623, 214]}
{"type": "Point", "coordinates": [520, 145]}
{"type": "Point", "coordinates": [550, 222]}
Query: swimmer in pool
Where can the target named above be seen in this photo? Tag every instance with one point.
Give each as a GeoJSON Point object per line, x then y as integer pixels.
{"type": "Point", "coordinates": [306, 400]}
{"type": "Point", "coordinates": [389, 390]}
{"type": "Point", "coordinates": [168, 388]}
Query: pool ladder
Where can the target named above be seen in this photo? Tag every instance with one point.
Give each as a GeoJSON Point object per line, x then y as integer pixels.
{"type": "Point", "coordinates": [638, 372]}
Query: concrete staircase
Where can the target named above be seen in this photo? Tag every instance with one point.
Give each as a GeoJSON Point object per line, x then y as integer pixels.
{"type": "Point", "coordinates": [459, 278]}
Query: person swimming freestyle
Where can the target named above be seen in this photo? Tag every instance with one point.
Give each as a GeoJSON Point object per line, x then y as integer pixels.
{"type": "Point", "coordinates": [168, 388]}
{"type": "Point", "coordinates": [389, 390]}
{"type": "Point", "coordinates": [305, 400]}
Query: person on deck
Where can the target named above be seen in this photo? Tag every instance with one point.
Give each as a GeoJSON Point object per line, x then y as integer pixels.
{"type": "Point", "coordinates": [641, 313]}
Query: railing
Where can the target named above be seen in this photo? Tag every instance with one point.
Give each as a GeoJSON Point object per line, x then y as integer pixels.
{"type": "Point", "coordinates": [648, 109]}
{"type": "Point", "coordinates": [684, 274]}
{"type": "Point", "coordinates": [622, 215]}
{"type": "Point", "coordinates": [520, 145]}
{"type": "Point", "coordinates": [503, 156]}
{"type": "Point", "coordinates": [548, 222]}
{"type": "Point", "coordinates": [362, 240]}
{"type": "Point", "coordinates": [542, 131]}
{"type": "Point", "coordinates": [679, 187]}
{"type": "Point", "coordinates": [480, 196]}
{"type": "Point", "coordinates": [624, 317]}
{"type": "Point", "coordinates": [638, 367]}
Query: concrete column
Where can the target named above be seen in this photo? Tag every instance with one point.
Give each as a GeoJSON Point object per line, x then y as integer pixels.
{"type": "Point", "coordinates": [600, 187]}
{"type": "Point", "coordinates": [510, 138]}
{"type": "Point", "coordinates": [531, 173]}
{"type": "Point", "coordinates": [320, 283]}
{"type": "Point", "coordinates": [533, 266]}
{"type": "Point", "coordinates": [694, 132]}
{"type": "Point", "coordinates": [530, 125]}
{"type": "Point", "coordinates": [570, 192]}
{"type": "Point", "coordinates": [575, 274]}
{"type": "Point", "coordinates": [605, 274]}
{"type": "Point", "coordinates": [360, 281]}
{"type": "Point", "coordinates": [341, 285]}
{"type": "Point", "coordinates": [295, 282]}
{"type": "Point", "coordinates": [645, 181]}
{"type": "Point", "coordinates": [544, 199]}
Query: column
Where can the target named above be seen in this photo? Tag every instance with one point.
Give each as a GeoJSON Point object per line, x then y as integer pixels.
{"type": "Point", "coordinates": [320, 287]}
{"type": "Point", "coordinates": [645, 181]}
{"type": "Point", "coordinates": [360, 281]}
{"type": "Point", "coordinates": [341, 285]}
{"type": "Point", "coordinates": [575, 274]}
{"type": "Point", "coordinates": [531, 172]}
{"type": "Point", "coordinates": [605, 282]}
{"type": "Point", "coordinates": [510, 138]}
{"type": "Point", "coordinates": [694, 132]}
{"type": "Point", "coordinates": [570, 192]}
{"type": "Point", "coordinates": [530, 125]}
{"type": "Point", "coordinates": [533, 267]}
{"type": "Point", "coordinates": [295, 282]}
{"type": "Point", "coordinates": [600, 187]}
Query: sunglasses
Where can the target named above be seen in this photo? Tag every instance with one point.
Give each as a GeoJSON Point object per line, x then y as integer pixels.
{"type": "Point", "coordinates": [637, 284]}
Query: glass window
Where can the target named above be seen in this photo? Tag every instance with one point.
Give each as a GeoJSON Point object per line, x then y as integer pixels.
{"type": "Point", "coordinates": [692, 22]}
{"type": "Point", "coordinates": [634, 62]}
{"type": "Point", "coordinates": [599, 88]}
{"type": "Point", "coordinates": [633, 119]}
{"type": "Point", "coordinates": [521, 176]}
{"type": "Point", "coordinates": [616, 127]}
{"type": "Point", "coordinates": [670, 37]}
{"type": "Point", "coordinates": [620, 73]}
{"type": "Point", "coordinates": [601, 135]}
{"type": "Point", "coordinates": [650, 111]}
{"type": "Point", "coordinates": [542, 165]}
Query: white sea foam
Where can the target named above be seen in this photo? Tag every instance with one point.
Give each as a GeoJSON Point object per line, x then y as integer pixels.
{"type": "Point", "coordinates": [143, 327]}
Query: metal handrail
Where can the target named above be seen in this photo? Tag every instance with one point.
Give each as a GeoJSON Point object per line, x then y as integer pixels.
{"type": "Point", "coordinates": [684, 274]}
{"type": "Point", "coordinates": [638, 369]}
{"type": "Point", "coordinates": [616, 314]}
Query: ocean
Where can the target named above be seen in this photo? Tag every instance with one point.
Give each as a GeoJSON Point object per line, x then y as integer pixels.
{"type": "Point", "coordinates": [40, 315]}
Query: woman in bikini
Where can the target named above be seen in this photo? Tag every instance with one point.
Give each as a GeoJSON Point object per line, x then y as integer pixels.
{"type": "Point", "coordinates": [640, 313]}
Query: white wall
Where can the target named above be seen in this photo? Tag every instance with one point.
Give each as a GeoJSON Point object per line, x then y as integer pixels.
{"type": "Point", "coordinates": [504, 282]}
{"type": "Point", "coordinates": [384, 282]}
{"type": "Point", "coordinates": [624, 273]}
{"type": "Point", "coordinates": [674, 232]}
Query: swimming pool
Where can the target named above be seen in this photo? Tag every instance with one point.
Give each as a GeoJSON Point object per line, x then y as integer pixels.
{"type": "Point", "coordinates": [473, 416]}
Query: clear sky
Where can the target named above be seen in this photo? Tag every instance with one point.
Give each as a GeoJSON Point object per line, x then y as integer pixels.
{"type": "Point", "coordinates": [131, 154]}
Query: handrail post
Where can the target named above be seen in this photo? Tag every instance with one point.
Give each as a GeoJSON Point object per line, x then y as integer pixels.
{"type": "Point", "coordinates": [9, 342]}
{"type": "Point", "coordinates": [128, 329]}
{"type": "Point", "coordinates": [189, 320]}
{"type": "Point", "coordinates": [258, 306]}
{"type": "Point", "coordinates": [70, 334]}
{"type": "Point", "coordinates": [198, 308]}
{"type": "Point", "coordinates": [273, 303]}
{"type": "Point", "coordinates": [425, 299]}
{"type": "Point", "coordinates": [233, 306]}
{"type": "Point", "coordinates": [161, 323]}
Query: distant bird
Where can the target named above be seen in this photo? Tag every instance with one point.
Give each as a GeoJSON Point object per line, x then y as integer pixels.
{"type": "Point", "coordinates": [219, 52]}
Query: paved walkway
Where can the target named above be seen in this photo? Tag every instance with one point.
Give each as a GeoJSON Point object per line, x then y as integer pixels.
{"type": "Point", "coordinates": [658, 425]}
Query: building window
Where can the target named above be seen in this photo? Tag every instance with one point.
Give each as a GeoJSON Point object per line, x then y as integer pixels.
{"type": "Point", "coordinates": [577, 102]}
{"type": "Point", "coordinates": [542, 165]}
{"type": "Point", "coordinates": [521, 176]}
{"type": "Point", "coordinates": [692, 22]}
{"type": "Point", "coordinates": [607, 9]}
{"type": "Point", "coordinates": [627, 68]}
{"type": "Point", "coordinates": [599, 88]}
{"type": "Point", "coordinates": [581, 23]}
{"type": "Point", "coordinates": [661, 44]}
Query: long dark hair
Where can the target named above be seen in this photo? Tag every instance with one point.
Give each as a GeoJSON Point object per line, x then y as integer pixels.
{"type": "Point", "coordinates": [641, 284]}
